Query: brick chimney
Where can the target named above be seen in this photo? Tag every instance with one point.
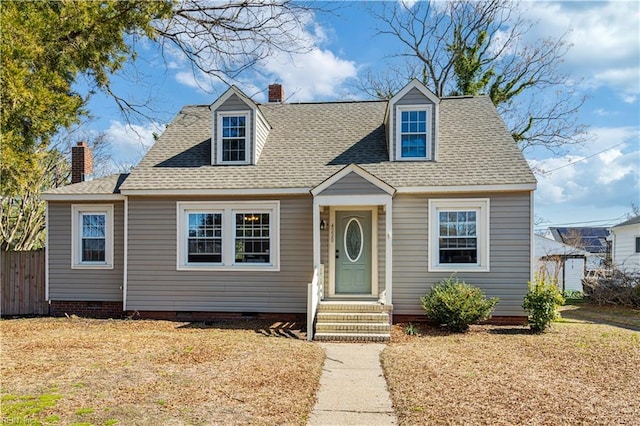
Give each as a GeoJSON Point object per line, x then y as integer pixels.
{"type": "Point", "coordinates": [81, 163]}
{"type": "Point", "coordinates": [276, 93]}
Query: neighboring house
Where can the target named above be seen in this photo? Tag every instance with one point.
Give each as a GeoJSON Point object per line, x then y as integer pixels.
{"type": "Point", "coordinates": [626, 245]}
{"type": "Point", "coordinates": [238, 203]}
{"type": "Point", "coordinates": [592, 239]}
{"type": "Point", "coordinates": [563, 263]}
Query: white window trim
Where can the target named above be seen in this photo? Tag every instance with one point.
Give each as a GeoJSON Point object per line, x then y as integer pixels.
{"type": "Point", "coordinates": [398, 124]}
{"type": "Point", "coordinates": [481, 206]}
{"type": "Point", "coordinates": [248, 154]}
{"type": "Point", "coordinates": [228, 210]}
{"type": "Point", "coordinates": [76, 235]}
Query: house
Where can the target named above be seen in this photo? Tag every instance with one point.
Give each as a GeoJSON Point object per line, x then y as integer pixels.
{"type": "Point", "coordinates": [592, 239]}
{"type": "Point", "coordinates": [240, 206]}
{"type": "Point", "coordinates": [564, 263]}
{"type": "Point", "coordinates": [626, 245]}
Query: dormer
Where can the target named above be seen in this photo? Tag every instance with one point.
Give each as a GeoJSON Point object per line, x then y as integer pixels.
{"type": "Point", "coordinates": [412, 124]}
{"type": "Point", "coordinates": [238, 129]}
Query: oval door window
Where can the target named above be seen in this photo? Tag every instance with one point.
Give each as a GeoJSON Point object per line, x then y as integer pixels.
{"type": "Point", "coordinates": [353, 240]}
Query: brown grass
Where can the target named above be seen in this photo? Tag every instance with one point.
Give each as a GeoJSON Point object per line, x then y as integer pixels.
{"type": "Point", "coordinates": [576, 373]}
{"type": "Point", "coordinates": [614, 314]}
{"type": "Point", "coordinates": [158, 372]}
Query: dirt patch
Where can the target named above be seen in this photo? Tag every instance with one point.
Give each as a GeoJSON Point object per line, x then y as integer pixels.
{"type": "Point", "coordinates": [576, 373]}
{"type": "Point", "coordinates": [159, 372]}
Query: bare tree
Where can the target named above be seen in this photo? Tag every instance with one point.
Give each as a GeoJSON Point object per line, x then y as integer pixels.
{"type": "Point", "coordinates": [464, 47]}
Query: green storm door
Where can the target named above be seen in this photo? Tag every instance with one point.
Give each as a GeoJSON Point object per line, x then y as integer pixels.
{"type": "Point", "coordinates": [353, 252]}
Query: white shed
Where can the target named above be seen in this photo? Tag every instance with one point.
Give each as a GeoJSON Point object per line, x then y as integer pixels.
{"type": "Point", "coordinates": [563, 262]}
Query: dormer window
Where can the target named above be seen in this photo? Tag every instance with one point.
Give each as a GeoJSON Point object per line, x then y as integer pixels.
{"type": "Point", "coordinates": [414, 132]}
{"type": "Point", "coordinates": [233, 139]}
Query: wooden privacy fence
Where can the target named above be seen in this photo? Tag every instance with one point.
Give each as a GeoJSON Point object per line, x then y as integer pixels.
{"type": "Point", "coordinates": [23, 283]}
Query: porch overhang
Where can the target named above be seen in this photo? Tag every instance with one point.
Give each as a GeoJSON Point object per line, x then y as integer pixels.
{"type": "Point", "coordinates": [379, 194]}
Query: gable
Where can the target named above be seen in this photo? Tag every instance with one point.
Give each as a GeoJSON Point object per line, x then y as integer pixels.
{"type": "Point", "coordinates": [352, 184]}
{"type": "Point", "coordinates": [414, 98]}
{"type": "Point", "coordinates": [233, 103]}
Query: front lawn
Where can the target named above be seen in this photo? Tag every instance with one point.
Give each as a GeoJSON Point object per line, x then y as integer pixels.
{"type": "Point", "coordinates": [576, 373]}
{"type": "Point", "coordinates": [108, 372]}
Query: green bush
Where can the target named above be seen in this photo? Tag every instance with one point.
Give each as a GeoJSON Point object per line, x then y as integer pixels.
{"type": "Point", "coordinates": [542, 302]}
{"type": "Point", "coordinates": [457, 304]}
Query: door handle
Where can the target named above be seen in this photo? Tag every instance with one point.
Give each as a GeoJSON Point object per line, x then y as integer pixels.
{"type": "Point", "coordinates": [337, 254]}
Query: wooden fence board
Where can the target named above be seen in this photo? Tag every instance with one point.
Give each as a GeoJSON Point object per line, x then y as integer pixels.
{"type": "Point", "coordinates": [23, 283]}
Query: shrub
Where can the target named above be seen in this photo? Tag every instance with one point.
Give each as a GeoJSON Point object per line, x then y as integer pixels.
{"type": "Point", "coordinates": [542, 302]}
{"type": "Point", "coordinates": [457, 304]}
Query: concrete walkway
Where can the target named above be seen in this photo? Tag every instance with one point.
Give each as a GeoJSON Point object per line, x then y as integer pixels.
{"type": "Point", "coordinates": [353, 390]}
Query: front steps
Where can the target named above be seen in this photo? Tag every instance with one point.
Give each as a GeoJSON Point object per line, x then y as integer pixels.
{"type": "Point", "coordinates": [353, 321]}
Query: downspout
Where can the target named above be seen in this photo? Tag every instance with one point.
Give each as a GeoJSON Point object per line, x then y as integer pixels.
{"type": "Point", "coordinates": [46, 253]}
{"type": "Point", "coordinates": [126, 253]}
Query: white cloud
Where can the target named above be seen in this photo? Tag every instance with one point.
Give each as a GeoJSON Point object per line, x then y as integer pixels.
{"type": "Point", "coordinates": [605, 39]}
{"type": "Point", "coordinates": [201, 81]}
{"type": "Point", "coordinates": [609, 178]}
{"type": "Point", "coordinates": [129, 142]}
{"type": "Point", "coordinates": [309, 76]}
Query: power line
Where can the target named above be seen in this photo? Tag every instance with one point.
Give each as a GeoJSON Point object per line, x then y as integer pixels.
{"type": "Point", "coordinates": [547, 172]}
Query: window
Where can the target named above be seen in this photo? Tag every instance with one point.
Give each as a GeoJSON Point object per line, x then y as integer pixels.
{"type": "Point", "coordinates": [252, 238]}
{"type": "Point", "coordinates": [233, 141]}
{"type": "Point", "coordinates": [637, 244]}
{"type": "Point", "coordinates": [459, 235]}
{"type": "Point", "coordinates": [204, 240]}
{"type": "Point", "coordinates": [92, 236]}
{"type": "Point", "coordinates": [413, 135]}
{"type": "Point", "coordinates": [228, 236]}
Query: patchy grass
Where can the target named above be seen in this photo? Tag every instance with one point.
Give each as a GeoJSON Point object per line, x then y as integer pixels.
{"type": "Point", "coordinates": [613, 314]}
{"type": "Point", "coordinates": [576, 373]}
{"type": "Point", "coordinates": [112, 372]}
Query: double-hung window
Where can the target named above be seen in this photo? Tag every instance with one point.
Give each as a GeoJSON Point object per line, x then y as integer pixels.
{"type": "Point", "coordinates": [459, 235]}
{"type": "Point", "coordinates": [228, 236]}
{"type": "Point", "coordinates": [92, 236]}
{"type": "Point", "coordinates": [204, 237]}
{"type": "Point", "coordinates": [233, 137]}
{"type": "Point", "coordinates": [413, 132]}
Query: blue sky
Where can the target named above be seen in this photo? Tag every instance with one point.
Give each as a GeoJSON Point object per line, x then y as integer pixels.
{"type": "Point", "coordinates": [593, 184]}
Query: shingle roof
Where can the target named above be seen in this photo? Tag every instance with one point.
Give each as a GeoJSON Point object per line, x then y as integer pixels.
{"type": "Point", "coordinates": [101, 186]}
{"type": "Point", "coordinates": [632, 221]}
{"type": "Point", "coordinates": [310, 142]}
{"type": "Point", "coordinates": [592, 239]}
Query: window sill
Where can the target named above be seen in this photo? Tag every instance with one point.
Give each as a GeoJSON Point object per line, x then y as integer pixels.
{"type": "Point", "coordinates": [225, 268]}
{"type": "Point", "coordinates": [458, 267]}
{"type": "Point", "coordinates": [422, 159]}
{"type": "Point", "coordinates": [91, 266]}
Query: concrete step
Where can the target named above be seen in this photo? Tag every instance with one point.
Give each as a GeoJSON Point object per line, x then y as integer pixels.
{"type": "Point", "coordinates": [353, 337]}
{"type": "Point", "coordinates": [358, 328]}
{"type": "Point", "coordinates": [353, 307]}
{"type": "Point", "coordinates": [360, 317]}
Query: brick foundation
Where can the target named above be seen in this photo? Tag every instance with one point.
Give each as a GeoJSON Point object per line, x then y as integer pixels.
{"type": "Point", "coordinates": [212, 316]}
{"type": "Point", "coordinates": [496, 320]}
{"type": "Point", "coordinates": [87, 309]}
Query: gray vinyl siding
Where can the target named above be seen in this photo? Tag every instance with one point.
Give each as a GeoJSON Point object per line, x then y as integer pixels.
{"type": "Point", "coordinates": [154, 284]}
{"type": "Point", "coordinates": [353, 184]}
{"type": "Point", "coordinates": [414, 97]}
{"type": "Point", "coordinates": [234, 103]}
{"type": "Point", "coordinates": [510, 252]}
{"type": "Point", "coordinates": [262, 131]}
{"type": "Point", "coordinates": [382, 249]}
{"type": "Point", "coordinates": [90, 285]}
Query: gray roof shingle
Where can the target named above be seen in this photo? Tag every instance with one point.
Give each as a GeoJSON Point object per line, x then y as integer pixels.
{"type": "Point", "coordinates": [309, 142]}
{"type": "Point", "coordinates": [106, 185]}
